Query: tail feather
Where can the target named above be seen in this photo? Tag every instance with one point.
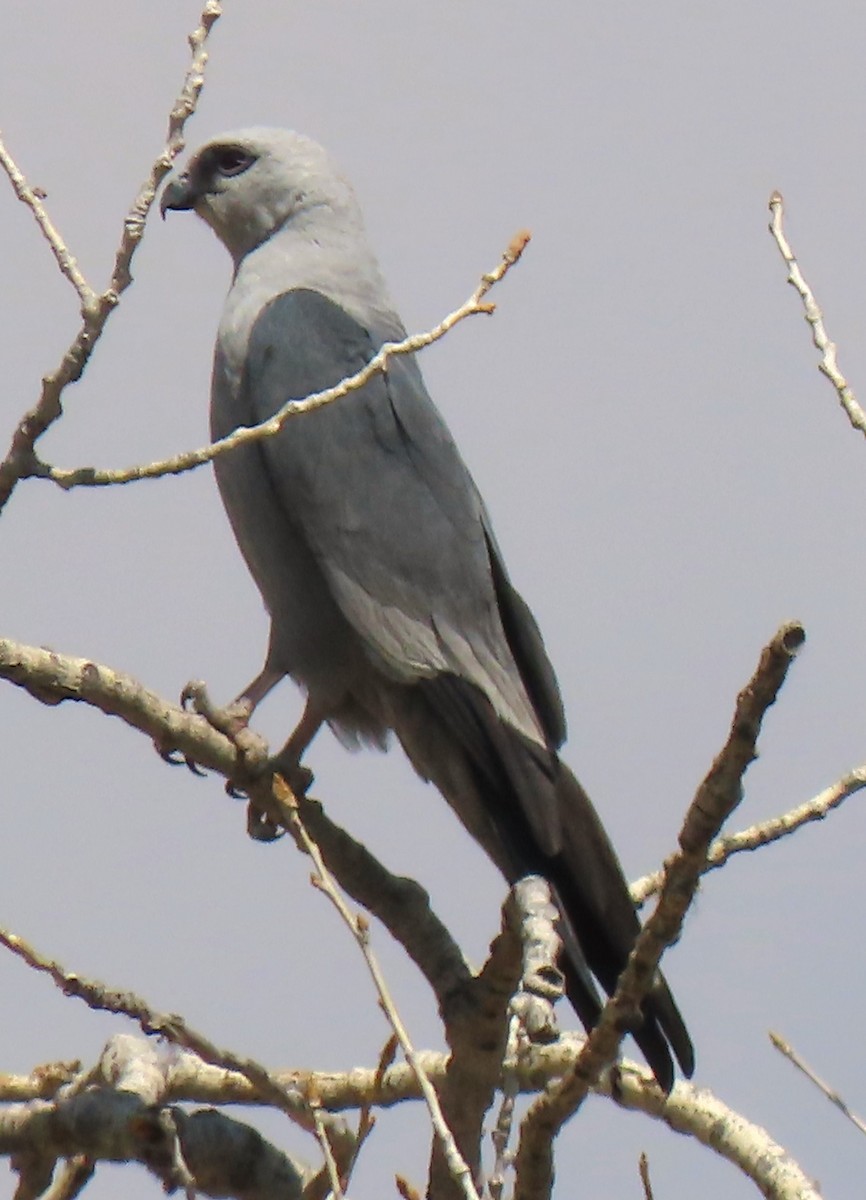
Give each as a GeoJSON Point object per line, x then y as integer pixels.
{"type": "Point", "coordinates": [596, 899]}
{"type": "Point", "coordinates": [532, 816]}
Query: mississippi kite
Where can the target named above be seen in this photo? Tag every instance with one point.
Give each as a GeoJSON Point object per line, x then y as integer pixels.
{"type": "Point", "coordinates": [390, 604]}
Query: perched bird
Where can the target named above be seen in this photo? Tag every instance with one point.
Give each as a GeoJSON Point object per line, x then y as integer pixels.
{"type": "Point", "coordinates": [389, 601]}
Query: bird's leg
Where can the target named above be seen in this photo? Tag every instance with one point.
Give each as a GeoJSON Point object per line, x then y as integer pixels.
{"type": "Point", "coordinates": [288, 761]}
{"type": "Point", "coordinates": [233, 720]}
{"type": "Point", "coordinates": [254, 693]}
{"type": "Point", "coordinates": [260, 825]}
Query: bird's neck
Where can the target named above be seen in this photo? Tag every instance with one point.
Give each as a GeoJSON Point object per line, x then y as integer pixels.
{"type": "Point", "coordinates": [328, 258]}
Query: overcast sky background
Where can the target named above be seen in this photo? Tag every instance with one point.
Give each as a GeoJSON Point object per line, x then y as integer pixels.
{"type": "Point", "coordinates": [669, 477]}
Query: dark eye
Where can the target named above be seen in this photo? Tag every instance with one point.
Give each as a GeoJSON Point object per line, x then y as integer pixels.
{"type": "Point", "coordinates": [232, 160]}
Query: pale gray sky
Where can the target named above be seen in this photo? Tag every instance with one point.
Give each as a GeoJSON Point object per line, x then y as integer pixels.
{"type": "Point", "coordinates": [668, 474]}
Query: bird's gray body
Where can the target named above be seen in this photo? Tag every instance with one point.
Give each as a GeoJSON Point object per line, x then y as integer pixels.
{"type": "Point", "coordinates": [389, 601]}
{"type": "Point", "coordinates": [356, 477]}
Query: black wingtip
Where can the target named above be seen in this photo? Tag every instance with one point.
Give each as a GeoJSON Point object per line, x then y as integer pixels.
{"type": "Point", "coordinates": [664, 1011]}
{"type": "Point", "coordinates": [661, 1031]}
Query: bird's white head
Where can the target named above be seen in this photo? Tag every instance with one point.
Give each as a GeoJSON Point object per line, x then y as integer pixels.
{"type": "Point", "coordinates": [250, 183]}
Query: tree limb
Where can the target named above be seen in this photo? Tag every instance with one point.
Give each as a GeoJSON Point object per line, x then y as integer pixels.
{"type": "Point", "coordinates": [716, 798]}
{"type": "Point", "coordinates": [175, 1030]}
{"type": "Point", "coordinates": [21, 460]}
{"type": "Point", "coordinates": [401, 904]}
{"type": "Point", "coordinates": [458, 1171]}
{"type": "Point", "coordinates": [190, 459]}
{"type": "Point", "coordinates": [764, 832]}
{"type": "Point", "coordinates": [825, 1088]}
{"type": "Point", "coordinates": [225, 1157]}
{"type": "Point", "coordinates": [815, 318]}
{"type": "Point", "coordinates": [52, 678]}
{"type": "Point", "coordinates": [688, 1109]}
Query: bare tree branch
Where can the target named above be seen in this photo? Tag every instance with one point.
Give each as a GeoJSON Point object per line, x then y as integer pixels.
{"type": "Point", "coordinates": [41, 1084]}
{"type": "Point", "coordinates": [476, 1023]}
{"type": "Point", "coordinates": [828, 365]}
{"type": "Point", "coordinates": [182, 109]}
{"type": "Point", "coordinates": [541, 981]}
{"type": "Point", "coordinates": [175, 1030]}
{"type": "Point", "coordinates": [51, 678]}
{"type": "Point", "coordinates": [224, 1157]}
{"type": "Point", "coordinates": [332, 1172]}
{"type": "Point", "coordinates": [32, 197]}
{"type": "Point", "coordinates": [118, 1112]}
{"type": "Point", "coordinates": [716, 798]}
{"type": "Point", "coordinates": [830, 1092]}
{"type": "Point", "coordinates": [406, 1189]}
{"type": "Point", "coordinates": [190, 459]}
{"type": "Point", "coordinates": [21, 460]}
{"type": "Point", "coordinates": [523, 954]}
{"type": "Point", "coordinates": [689, 1110]}
{"type": "Point", "coordinates": [71, 1179]}
{"type": "Point", "coordinates": [501, 1132]}
{"type": "Point", "coordinates": [747, 1146]}
{"type": "Point", "coordinates": [764, 832]}
{"type": "Point", "coordinates": [360, 930]}
{"type": "Point", "coordinates": [401, 904]}
{"type": "Point", "coordinates": [643, 1170]}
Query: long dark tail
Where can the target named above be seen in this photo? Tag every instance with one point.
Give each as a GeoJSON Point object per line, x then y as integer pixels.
{"type": "Point", "coordinates": [599, 918]}
{"type": "Point", "coordinates": [532, 817]}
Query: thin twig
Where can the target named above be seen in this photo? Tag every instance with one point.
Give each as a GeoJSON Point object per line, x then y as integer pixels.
{"type": "Point", "coordinates": [405, 1189]}
{"type": "Point", "coordinates": [815, 319]}
{"type": "Point", "coordinates": [501, 1132]}
{"type": "Point", "coordinates": [181, 111]}
{"type": "Point", "coordinates": [830, 1092]}
{"type": "Point", "coordinates": [189, 460]}
{"type": "Point", "coordinates": [71, 1178]}
{"type": "Point", "coordinates": [765, 832]}
{"type": "Point", "coordinates": [170, 1026]}
{"type": "Point", "coordinates": [321, 1129]}
{"type": "Point", "coordinates": [643, 1169]}
{"type": "Point", "coordinates": [33, 199]}
{"type": "Point", "coordinates": [360, 930]}
{"type": "Point", "coordinates": [366, 1121]}
{"type": "Point", "coordinates": [21, 461]}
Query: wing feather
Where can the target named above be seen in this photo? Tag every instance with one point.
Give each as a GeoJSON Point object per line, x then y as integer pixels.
{"type": "Point", "coordinates": [387, 506]}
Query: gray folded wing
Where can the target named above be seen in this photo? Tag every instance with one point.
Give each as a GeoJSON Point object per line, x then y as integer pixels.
{"type": "Point", "coordinates": [389, 510]}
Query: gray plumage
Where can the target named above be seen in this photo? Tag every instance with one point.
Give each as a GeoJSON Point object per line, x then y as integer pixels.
{"type": "Point", "coordinates": [390, 603]}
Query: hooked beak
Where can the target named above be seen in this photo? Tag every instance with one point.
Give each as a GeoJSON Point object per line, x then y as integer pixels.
{"type": "Point", "coordinates": [180, 195]}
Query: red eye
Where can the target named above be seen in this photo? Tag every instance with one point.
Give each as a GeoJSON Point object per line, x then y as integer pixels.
{"type": "Point", "coordinates": [232, 160]}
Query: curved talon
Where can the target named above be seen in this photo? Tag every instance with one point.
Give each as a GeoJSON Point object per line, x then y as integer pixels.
{"type": "Point", "coordinates": [170, 754]}
{"type": "Point", "coordinates": [176, 758]}
{"type": "Point", "coordinates": [232, 789]}
{"type": "Point", "coordinates": [194, 693]}
{"type": "Point", "coordinates": [261, 828]}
